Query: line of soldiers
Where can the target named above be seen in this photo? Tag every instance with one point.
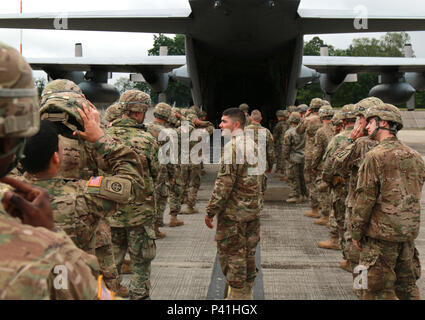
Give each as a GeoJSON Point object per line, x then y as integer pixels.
{"type": "Point", "coordinates": [369, 185]}
{"type": "Point", "coordinates": [106, 188]}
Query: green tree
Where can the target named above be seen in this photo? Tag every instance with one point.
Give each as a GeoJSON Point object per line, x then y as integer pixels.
{"type": "Point", "coordinates": [176, 93]}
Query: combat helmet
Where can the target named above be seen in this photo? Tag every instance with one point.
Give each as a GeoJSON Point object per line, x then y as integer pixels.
{"type": "Point", "coordinates": [202, 114]}
{"type": "Point", "coordinates": [282, 113]}
{"type": "Point", "coordinates": [292, 108]}
{"type": "Point", "coordinates": [348, 112]}
{"type": "Point", "coordinates": [19, 116]}
{"type": "Point", "coordinates": [302, 108]}
{"type": "Point", "coordinates": [386, 112]}
{"type": "Point", "coordinates": [295, 117]}
{"type": "Point", "coordinates": [60, 100]}
{"type": "Point", "coordinates": [337, 118]}
{"type": "Point", "coordinates": [162, 111]}
{"type": "Point", "coordinates": [113, 112]}
{"type": "Point", "coordinates": [135, 101]}
{"type": "Point", "coordinates": [196, 109]}
{"type": "Point", "coordinates": [326, 111]}
{"type": "Point", "coordinates": [244, 107]}
{"type": "Point", "coordinates": [315, 104]}
{"type": "Point", "coordinates": [363, 105]}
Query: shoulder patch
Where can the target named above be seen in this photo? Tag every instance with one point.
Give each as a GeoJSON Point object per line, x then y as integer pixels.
{"type": "Point", "coordinates": [95, 182]}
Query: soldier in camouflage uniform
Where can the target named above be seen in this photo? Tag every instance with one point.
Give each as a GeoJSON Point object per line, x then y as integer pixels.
{"type": "Point", "coordinates": [133, 226]}
{"type": "Point", "coordinates": [293, 151]}
{"type": "Point", "coordinates": [113, 112]}
{"type": "Point", "coordinates": [170, 182]}
{"type": "Point", "coordinates": [302, 110]}
{"type": "Point", "coordinates": [191, 172]}
{"type": "Point", "coordinates": [238, 223]}
{"type": "Point", "coordinates": [32, 247]}
{"type": "Point", "coordinates": [60, 98]}
{"type": "Point", "coordinates": [385, 219]}
{"type": "Point", "coordinates": [337, 182]}
{"type": "Point", "coordinates": [256, 126]}
{"type": "Point", "coordinates": [245, 108]}
{"type": "Point", "coordinates": [347, 161]}
{"type": "Point", "coordinates": [321, 141]}
{"type": "Point", "coordinates": [278, 132]}
{"type": "Point", "coordinates": [309, 125]}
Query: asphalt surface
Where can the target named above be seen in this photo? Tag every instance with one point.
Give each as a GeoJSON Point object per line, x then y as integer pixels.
{"type": "Point", "coordinates": [290, 263]}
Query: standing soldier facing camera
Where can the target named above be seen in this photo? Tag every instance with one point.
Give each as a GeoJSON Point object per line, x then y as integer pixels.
{"type": "Point", "coordinates": [238, 224]}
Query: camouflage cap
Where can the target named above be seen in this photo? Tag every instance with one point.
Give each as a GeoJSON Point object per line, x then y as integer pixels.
{"type": "Point", "coordinates": [162, 111]}
{"type": "Point", "coordinates": [295, 117]}
{"type": "Point", "coordinates": [326, 111]}
{"type": "Point", "coordinates": [19, 115]}
{"type": "Point", "coordinates": [363, 105]}
{"type": "Point", "coordinates": [113, 112]}
{"type": "Point", "coordinates": [315, 104]}
{"type": "Point", "coordinates": [60, 106]}
{"type": "Point", "coordinates": [135, 101]}
{"type": "Point", "coordinates": [386, 112]}
{"type": "Point", "coordinates": [244, 107]}
{"type": "Point", "coordinates": [348, 112]}
{"type": "Point", "coordinates": [337, 118]}
{"type": "Point", "coordinates": [302, 108]}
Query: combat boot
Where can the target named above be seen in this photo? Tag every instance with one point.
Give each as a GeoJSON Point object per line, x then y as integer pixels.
{"type": "Point", "coordinates": [313, 213]}
{"type": "Point", "coordinates": [332, 243]}
{"type": "Point", "coordinates": [174, 222]}
{"type": "Point", "coordinates": [292, 200]}
{"type": "Point", "coordinates": [237, 294]}
{"type": "Point", "coordinates": [322, 221]}
{"type": "Point", "coordinates": [158, 234]}
{"type": "Point", "coordinates": [122, 291]}
{"type": "Point", "coordinates": [345, 265]}
{"type": "Point", "coordinates": [125, 268]}
{"type": "Point", "coordinates": [190, 210]}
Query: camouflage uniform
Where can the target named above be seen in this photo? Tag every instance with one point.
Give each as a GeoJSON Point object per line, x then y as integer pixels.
{"type": "Point", "coordinates": [29, 255]}
{"type": "Point", "coordinates": [238, 222]}
{"type": "Point", "coordinates": [310, 125]}
{"type": "Point", "coordinates": [60, 98]}
{"type": "Point", "coordinates": [132, 226]}
{"type": "Point", "coordinates": [348, 160]}
{"type": "Point", "coordinates": [293, 151]}
{"type": "Point", "coordinates": [336, 181]}
{"type": "Point", "coordinates": [269, 148]}
{"type": "Point", "coordinates": [171, 184]}
{"type": "Point", "coordinates": [245, 108]}
{"type": "Point", "coordinates": [321, 141]}
{"type": "Point", "coordinates": [278, 132]}
{"type": "Point", "coordinates": [386, 213]}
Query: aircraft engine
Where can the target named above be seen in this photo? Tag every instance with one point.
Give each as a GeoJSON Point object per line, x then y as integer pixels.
{"type": "Point", "coordinates": [330, 82]}
{"type": "Point", "coordinates": [157, 81]}
{"type": "Point", "coordinates": [101, 94]}
{"type": "Point", "coordinates": [416, 80]}
{"type": "Point", "coordinates": [394, 93]}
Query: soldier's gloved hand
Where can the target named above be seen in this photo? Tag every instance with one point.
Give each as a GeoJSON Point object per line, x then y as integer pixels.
{"type": "Point", "coordinates": [91, 118]}
{"type": "Point", "coordinates": [29, 203]}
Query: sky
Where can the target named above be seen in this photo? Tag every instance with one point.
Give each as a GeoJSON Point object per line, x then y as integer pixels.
{"type": "Point", "coordinates": [60, 43]}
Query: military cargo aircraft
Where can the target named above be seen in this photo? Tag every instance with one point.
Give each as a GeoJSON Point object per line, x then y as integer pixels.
{"type": "Point", "coordinates": [239, 50]}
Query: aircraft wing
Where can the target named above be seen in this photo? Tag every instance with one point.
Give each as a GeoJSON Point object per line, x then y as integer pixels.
{"type": "Point", "coordinates": [351, 16]}
{"type": "Point", "coordinates": [150, 20]}
{"type": "Point", "coordinates": [327, 64]}
{"type": "Point", "coordinates": [159, 64]}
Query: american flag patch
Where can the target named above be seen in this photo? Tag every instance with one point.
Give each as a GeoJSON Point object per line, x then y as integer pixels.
{"type": "Point", "coordinates": [95, 181]}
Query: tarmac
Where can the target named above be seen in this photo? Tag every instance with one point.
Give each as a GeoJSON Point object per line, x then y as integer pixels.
{"type": "Point", "coordinates": [291, 266]}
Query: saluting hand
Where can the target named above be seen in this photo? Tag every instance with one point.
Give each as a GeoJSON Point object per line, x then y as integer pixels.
{"type": "Point", "coordinates": [91, 118]}
{"type": "Point", "coordinates": [29, 203]}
